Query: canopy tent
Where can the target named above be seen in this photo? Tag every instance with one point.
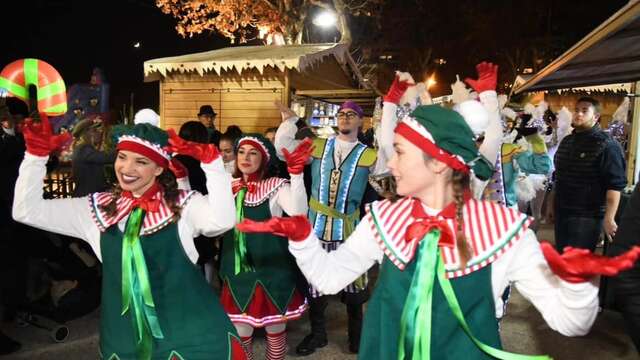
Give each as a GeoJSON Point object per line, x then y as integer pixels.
{"type": "Point", "coordinates": [305, 59]}
{"type": "Point", "coordinates": [239, 58]}
{"type": "Point", "coordinates": [609, 54]}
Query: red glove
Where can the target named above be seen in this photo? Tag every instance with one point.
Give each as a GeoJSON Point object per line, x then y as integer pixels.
{"type": "Point", "coordinates": [296, 228]}
{"type": "Point", "coordinates": [205, 153]}
{"type": "Point", "coordinates": [487, 77]}
{"type": "Point", "coordinates": [579, 265]}
{"type": "Point", "coordinates": [39, 138]}
{"type": "Point", "coordinates": [297, 159]}
{"type": "Point", "coordinates": [396, 90]}
{"type": "Point", "coordinates": [178, 169]}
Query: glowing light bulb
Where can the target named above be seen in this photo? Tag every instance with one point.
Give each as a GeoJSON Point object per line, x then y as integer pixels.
{"type": "Point", "coordinates": [325, 19]}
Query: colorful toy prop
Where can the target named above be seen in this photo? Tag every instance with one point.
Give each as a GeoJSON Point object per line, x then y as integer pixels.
{"type": "Point", "coordinates": [16, 78]}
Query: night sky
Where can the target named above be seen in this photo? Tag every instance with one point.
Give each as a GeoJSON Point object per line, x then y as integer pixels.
{"type": "Point", "coordinates": [76, 36]}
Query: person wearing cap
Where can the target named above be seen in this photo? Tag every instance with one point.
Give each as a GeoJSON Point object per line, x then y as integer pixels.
{"type": "Point", "coordinates": [87, 162]}
{"type": "Point", "coordinates": [340, 168]}
{"type": "Point", "coordinates": [258, 273]}
{"type": "Point", "coordinates": [446, 257]}
{"type": "Point", "coordinates": [155, 302]}
{"type": "Point", "coordinates": [207, 116]}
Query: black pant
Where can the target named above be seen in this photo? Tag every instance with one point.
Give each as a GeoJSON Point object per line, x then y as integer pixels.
{"type": "Point", "coordinates": [626, 285]}
{"type": "Point", "coordinates": [577, 231]}
{"type": "Point", "coordinates": [353, 301]}
{"type": "Point", "coordinates": [13, 268]}
{"type": "Point", "coordinates": [626, 289]}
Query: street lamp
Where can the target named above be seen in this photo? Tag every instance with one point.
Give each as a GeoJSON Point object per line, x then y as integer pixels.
{"type": "Point", "coordinates": [325, 19]}
{"type": "Point", "coordinates": [431, 81]}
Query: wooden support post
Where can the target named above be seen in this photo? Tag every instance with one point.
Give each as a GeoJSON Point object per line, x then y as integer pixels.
{"type": "Point", "coordinates": [286, 95]}
{"type": "Point", "coordinates": [633, 163]}
{"type": "Point", "coordinates": [162, 123]}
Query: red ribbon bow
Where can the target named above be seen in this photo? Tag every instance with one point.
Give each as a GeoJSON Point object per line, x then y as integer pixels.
{"type": "Point", "coordinates": [237, 186]}
{"type": "Point", "coordinates": [148, 202]}
{"type": "Point", "coordinates": [425, 223]}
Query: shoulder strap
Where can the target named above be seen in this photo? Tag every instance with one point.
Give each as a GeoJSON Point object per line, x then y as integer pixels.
{"type": "Point", "coordinates": [368, 157]}
{"type": "Point", "coordinates": [318, 150]}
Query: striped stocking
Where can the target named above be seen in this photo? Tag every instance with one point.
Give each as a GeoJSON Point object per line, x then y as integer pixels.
{"type": "Point", "coordinates": [277, 345]}
{"type": "Point", "coordinates": [248, 347]}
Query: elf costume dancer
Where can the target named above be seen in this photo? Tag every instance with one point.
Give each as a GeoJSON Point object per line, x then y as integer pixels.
{"type": "Point", "coordinates": [482, 115]}
{"type": "Point", "coordinates": [155, 303]}
{"type": "Point", "coordinates": [446, 258]}
{"type": "Point", "coordinates": [258, 271]}
{"type": "Point", "coordinates": [340, 167]}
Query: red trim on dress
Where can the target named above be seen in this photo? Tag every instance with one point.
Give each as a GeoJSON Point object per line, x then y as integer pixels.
{"type": "Point", "coordinates": [261, 311]}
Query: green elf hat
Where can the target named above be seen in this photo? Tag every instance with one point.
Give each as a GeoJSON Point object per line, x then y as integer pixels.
{"type": "Point", "coordinates": [259, 142]}
{"type": "Point", "coordinates": [144, 139]}
{"type": "Point", "coordinates": [444, 135]}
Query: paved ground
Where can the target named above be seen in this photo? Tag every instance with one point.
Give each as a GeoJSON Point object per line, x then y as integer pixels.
{"type": "Point", "coordinates": [523, 331]}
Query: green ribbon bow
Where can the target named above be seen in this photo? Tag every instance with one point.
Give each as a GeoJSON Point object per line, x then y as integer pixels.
{"type": "Point", "coordinates": [415, 331]}
{"type": "Point", "coordinates": [242, 261]}
{"type": "Point", "coordinates": [136, 288]}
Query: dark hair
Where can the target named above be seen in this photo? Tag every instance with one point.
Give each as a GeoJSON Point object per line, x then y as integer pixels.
{"type": "Point", "coordinates": [171, 193]}
{"type": "Point", "coordinates": [231, 136]}
{"type": "Point", "coordinates": [194, 131]}
{"type": "Point", "coordinates": [271, 129]}
{"type": "Point", "coordinates": [226, 137]}
{"type": "Point", "coordinates": [233, 131]}
{"type": "Point", "coordinates": [595, 103]}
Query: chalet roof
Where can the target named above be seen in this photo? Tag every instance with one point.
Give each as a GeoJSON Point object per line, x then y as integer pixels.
{"type": "Point", "coordinates": [281, 57]}
{"type": "Point", "coordinates": [609, 54]}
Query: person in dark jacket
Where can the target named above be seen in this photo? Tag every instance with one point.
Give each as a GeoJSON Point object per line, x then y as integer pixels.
{"type": "Point", "coordinates": [12, 258]}
{"type": "Point", "coordinates": [590, 173]}
{"type": "Point", "coordinates": [88, 162]}
{"type": "Point", "coordinates": [626, 286]}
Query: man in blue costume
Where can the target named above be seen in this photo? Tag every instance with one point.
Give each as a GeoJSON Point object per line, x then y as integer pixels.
{"type": "Point", "coordinates": [340, 168]}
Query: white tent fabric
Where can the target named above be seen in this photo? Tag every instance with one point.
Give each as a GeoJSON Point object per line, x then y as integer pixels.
{"type": "Point", "coordinates": [281, 57]}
